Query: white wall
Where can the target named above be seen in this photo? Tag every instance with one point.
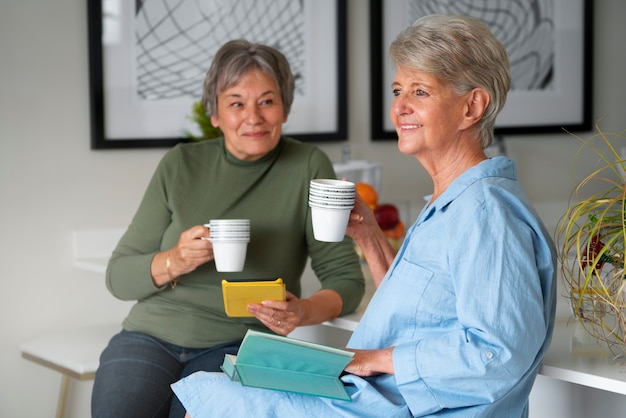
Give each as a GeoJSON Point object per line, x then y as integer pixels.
{"type": "Point", "coordinates": [51, 183]}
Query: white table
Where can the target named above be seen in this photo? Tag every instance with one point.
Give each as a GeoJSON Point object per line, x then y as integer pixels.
{"type": "Point", "coordinates": [576, 357]}
{"type": "Point", "coordinates": [73, 353]}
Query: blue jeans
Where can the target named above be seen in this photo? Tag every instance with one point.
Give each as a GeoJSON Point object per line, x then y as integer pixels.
{"type": "Point", "coordinates": [136, 370]}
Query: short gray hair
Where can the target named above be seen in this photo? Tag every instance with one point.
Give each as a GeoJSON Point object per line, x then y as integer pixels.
{"type": "Point", "coordinates": [238, 57]}
{"type": "Point", "coordinates": [462, 52]}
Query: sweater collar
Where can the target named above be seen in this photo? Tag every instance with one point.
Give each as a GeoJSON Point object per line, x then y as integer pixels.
{"type": "Point", "coordinates": [270, 156]}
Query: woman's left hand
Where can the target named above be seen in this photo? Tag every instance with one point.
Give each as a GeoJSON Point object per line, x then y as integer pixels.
{"type": "Point", "coordinates": [367, 363]}
{"type": "Point", "coordinates": [282, 317]}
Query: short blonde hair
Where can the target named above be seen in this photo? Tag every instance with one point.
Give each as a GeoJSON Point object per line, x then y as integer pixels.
{"type": "Point", "coordinates": [462, 52]}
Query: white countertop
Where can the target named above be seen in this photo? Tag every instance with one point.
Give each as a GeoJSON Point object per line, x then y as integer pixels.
{"type": "Point", "coordinates": [575, 357]}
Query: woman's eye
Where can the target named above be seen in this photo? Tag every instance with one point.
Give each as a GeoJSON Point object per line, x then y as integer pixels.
{"type": "Point", "coordinates": [267, 102]}
{"type": "Point", "coordinates": [396, 92]}
{"type": "Point", "coordinates": [419, 92]}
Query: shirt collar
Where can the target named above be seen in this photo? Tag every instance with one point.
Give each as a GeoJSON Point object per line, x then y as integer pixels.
{"type": "Point", "coordinates": [499, 166]}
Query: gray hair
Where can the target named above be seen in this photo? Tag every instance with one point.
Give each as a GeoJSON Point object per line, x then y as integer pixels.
{"type": "Point", "coordinates": [462, 52]}
{"type": "Point", "coordinates": [238, 57]}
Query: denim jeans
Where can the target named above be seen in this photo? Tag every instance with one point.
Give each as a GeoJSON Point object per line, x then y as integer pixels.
{"type": "Point", "coordinates": [136, 370]}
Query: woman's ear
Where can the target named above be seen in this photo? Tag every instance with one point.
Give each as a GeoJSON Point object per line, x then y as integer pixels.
{"type": "Point", "coordinates": [477, 102]}
{"type": "Point", "coordinates": [215, 121]}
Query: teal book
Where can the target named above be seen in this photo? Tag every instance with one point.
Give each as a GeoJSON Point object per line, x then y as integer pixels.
{"type": "Point", "coordinates": [275, 362]}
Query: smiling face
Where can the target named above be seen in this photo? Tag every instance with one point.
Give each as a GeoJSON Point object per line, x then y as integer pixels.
{"type": "Point", "coordinates": [427, 114]}
{"type": "Point", "coordinates": [250, 115]}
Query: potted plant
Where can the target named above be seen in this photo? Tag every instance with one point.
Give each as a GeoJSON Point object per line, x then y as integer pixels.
{"type": "Point", "coordinates": [199, 116]}
{"type": "Point", "coordinates": [592, 238]}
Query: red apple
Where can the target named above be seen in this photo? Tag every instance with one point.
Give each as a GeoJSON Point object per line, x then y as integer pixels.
{"type": "Point", "coordinates": [387, 216]}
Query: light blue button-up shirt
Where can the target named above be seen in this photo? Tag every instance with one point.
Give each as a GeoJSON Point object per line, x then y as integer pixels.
{"type": "Point", "coordinates": [468, 304]}
{"type": "Point", "coordinates": [469, 301]}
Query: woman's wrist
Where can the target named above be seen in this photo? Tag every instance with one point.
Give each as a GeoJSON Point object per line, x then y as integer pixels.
{"type": "Point", "coordinates": [173, 279]}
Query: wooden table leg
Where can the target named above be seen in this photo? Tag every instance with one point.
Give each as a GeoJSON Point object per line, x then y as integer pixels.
{"type": "Point", "coordinates": [65, 380]}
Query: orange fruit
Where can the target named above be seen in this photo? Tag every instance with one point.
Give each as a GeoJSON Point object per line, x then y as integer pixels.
{"type": "Point", "coordinates": [368, 194]}
{"type": "Point", "coordinates": [397, 232]}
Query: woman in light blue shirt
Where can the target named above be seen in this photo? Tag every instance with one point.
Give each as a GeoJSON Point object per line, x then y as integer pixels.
{"type": "Point", "coordinates": [464, 312]}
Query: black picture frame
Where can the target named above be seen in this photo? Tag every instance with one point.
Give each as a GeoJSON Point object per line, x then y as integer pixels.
{"type": "Point", "coordinates": [321, 117]}
{"type": "Point", "coordinates": [568, 106]}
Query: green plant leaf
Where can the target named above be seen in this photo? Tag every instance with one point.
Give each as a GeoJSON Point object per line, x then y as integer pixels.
{"type": "Point", "coordinates": [592, 241]}
{"type": "Point", "coordinates": [200, 118]}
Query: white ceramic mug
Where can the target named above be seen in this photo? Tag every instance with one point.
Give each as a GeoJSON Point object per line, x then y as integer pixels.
{"type": "Point", "coordinates": [230, 256]}
{"type": "Point", "coordinates": [230, 239]}
{"type": "Point", "coordinates": [329, 225]}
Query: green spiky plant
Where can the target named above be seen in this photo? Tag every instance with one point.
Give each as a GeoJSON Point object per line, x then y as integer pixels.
{"type": "Point", "coordinates": [592, 239]}
{"type": "Point", "coordinates": [199, 116]}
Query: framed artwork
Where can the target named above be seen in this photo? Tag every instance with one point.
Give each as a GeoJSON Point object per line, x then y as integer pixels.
{"type": "Point", "coordinates": [550, 49]}
{"type": "Point", "coordinates": [148, 60]}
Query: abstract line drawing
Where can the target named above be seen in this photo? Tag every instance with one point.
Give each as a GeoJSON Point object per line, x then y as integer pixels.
{"type": "Point", "coordinates": [175, 40]}
{"type": "Point", "coordinates": [148, 60]}
{"type": "Point", "coordinates": [550, 51]}
{"type": "Point", "coordinates": [525, 28]}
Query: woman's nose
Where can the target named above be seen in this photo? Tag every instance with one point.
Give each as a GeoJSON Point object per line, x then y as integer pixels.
{"type": "Point", "coordinates": [253, 115]}
{"type": "Point", "coordinates": [400, 106]}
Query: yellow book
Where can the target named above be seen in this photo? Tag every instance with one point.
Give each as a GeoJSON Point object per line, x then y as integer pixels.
{"type": "Point", "coordinates": [238, 294]}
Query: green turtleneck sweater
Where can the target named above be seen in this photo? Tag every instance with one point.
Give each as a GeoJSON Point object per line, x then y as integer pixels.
{"type": "Point", "coordinates": [197, 182]}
